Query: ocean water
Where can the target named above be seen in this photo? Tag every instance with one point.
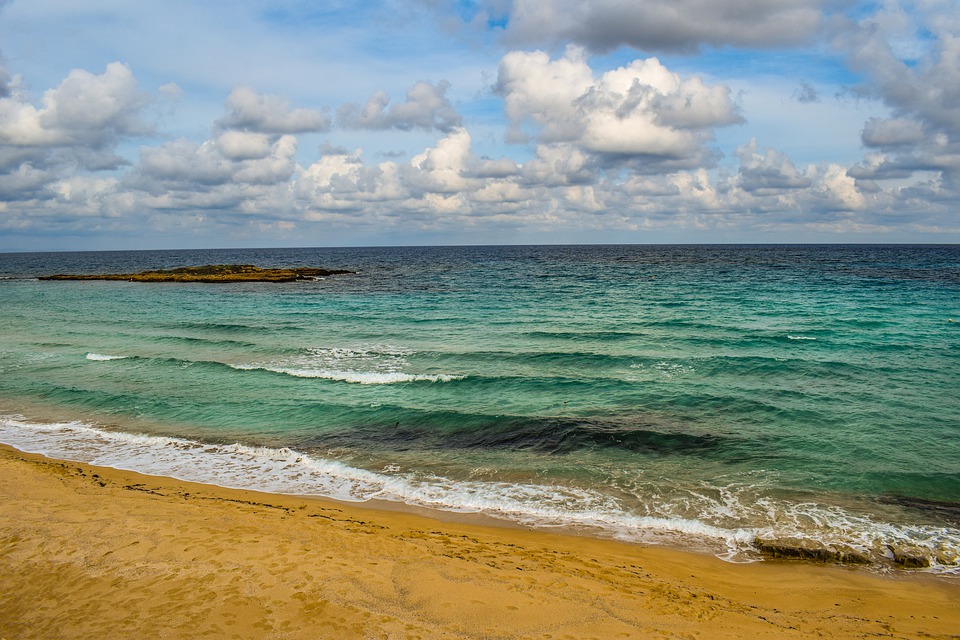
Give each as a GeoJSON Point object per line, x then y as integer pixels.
{"type": "Point", "coordinates": [699, 396]}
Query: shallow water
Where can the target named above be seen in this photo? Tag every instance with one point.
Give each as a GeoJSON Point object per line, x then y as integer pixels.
{"type": "Point", "coordinates": [690, 395]}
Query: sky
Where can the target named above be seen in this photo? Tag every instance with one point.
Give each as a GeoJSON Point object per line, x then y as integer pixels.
{"type": "Point", "coordinates": [272, 123]}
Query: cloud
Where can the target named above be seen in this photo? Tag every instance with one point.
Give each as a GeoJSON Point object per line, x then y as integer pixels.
{"type": "Point", "coordinates": [340, 182]}
{"type": "Point", "coordinates": [892, 132]}
{"type": "Point", "coordinates": [768, 171]}
{"type": "Point", "coordinates": [559, 165]}
{"type": "Point", "coordinates": [243, 145]}
{"type": "Point", "coordinates": [807, 93]}
{"type": "Point", "coordinates": [250, 111]}
{"type": "Point", "coordinates": [664, 25]}
{"type": "Point", "coordinates": [426, 107]}
{"type": "Point", "coordinates": [88, 110]}
{"type": "Point", "coordinates": [75, 129]}
{"type": "Point", "coordinates": [911, 62]}
{"type": "Point", "coordinates": [5, 80]}
{"type": "Point", "coordinates": [441, 169]}
{"type": "Point", "coordinates": [615, 150]}
{"type": "Point", "coordinates": [500, 168]}
{"type": "Point", "coordinates": [641, 112]}
{"type": "Point", "coordinates": [244, 169]}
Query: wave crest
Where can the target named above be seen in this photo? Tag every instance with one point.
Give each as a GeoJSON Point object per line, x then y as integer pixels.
{"type": "Point", "coordinates": [371, 365]}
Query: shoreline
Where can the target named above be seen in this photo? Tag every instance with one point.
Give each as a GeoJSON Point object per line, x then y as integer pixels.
{"type": "Point", "coordinates": [93, 551]}
{"type": "Point", "coordinates": [252, 467]}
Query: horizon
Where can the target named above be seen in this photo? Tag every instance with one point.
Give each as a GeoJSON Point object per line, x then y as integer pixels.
{"type": "Point", "coordinates": [478, 122]}
{"type": "Point", "coordinates": [521, 245]}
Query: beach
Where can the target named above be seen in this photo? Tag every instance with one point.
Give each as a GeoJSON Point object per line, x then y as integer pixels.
{"type": "Point", "coordinates": [91, 552]}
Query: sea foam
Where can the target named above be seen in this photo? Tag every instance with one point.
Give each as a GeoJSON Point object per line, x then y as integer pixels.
{"type": "Point", "coordinates": [358, 377]}
{"type": "Point", "coordinates": [371, 365]}
{"type": "Point", "coordinates": [286, 471]}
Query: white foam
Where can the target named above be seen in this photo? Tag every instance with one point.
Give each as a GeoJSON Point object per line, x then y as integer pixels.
{"type": "Point", "coordinates": [358, 377]}
{"type": "Point", "coordinates": [366, 365]}
{"type": "Point", "coordinates": [99, 357]}
{"type": "Point", "coordinates": [290, 472]}
{"type": "Point", "coordinates": [727, 519]}
{"type": "Point", "coordinates": [800, 337]}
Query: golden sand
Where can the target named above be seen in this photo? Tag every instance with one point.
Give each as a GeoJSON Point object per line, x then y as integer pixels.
{"type": "Point", "coordinates": [87, 552]}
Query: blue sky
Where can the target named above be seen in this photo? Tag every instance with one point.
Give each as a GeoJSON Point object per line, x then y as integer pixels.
{"type": "Point", "coordinates": [294, 123]}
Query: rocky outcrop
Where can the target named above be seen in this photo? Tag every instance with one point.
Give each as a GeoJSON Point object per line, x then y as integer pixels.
{"type": "Point", "coordinates": [211, 273]}
{"type": "Point", "coordinates": [799, 549]}
{"type": "Point", "coordinates": [910, 558]}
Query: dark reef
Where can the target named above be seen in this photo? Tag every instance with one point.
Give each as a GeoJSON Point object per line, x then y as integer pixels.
{"type": "Point", "coordinates": [210, 273]}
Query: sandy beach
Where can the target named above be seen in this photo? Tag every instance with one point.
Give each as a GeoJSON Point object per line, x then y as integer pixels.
{"type": "Point", "coordinates": [91, 553]}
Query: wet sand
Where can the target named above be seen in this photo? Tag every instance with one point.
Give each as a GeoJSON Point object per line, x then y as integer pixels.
{"type": "Point", "coordinates": [87, 552]}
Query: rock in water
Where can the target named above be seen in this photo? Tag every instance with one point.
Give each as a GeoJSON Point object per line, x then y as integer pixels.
{"type": "Point", "coordinates": [211, 273]}
{"type": "Point", "coordinates": [800, 549]}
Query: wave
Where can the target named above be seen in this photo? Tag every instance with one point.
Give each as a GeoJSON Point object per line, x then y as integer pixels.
{"type": "Point", "coordinates": [99, 357]}
{"type": "Point", "coordinates": [306, 368]}
{"type": "Point", "coordinates": [363, 365]}
{"type": "Point", "coordinates": [729, 519]}
{"type": "Point", "coordinates": [358, 377]}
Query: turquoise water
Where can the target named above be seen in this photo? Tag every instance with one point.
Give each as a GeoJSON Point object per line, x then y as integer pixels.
{"type": "Point", "coordinates": [700, 396]}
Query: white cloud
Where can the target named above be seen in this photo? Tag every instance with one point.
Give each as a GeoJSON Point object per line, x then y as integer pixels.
{"type": "Point", "coordinates": [499, 168]}
{"type": "Point", "coordinates": [426, 107]}
{"type": "Point", "coordinates": [768, 171]}
{"type": "Point", "coordinates": [183, 161]}
{"type": "Point", "coordinates": [88, 110]}
{"type": "Point", "coordinates": [243, 145]}
{"type": "Point", "coordinates": [341, 182]}
{"type": "Point", "coordinates": [911, 61]}
{"type": "Point", "coordinates": [558, 165]}
{"type": "Point", "coordinates": [641, 111]}
{"type": "Point", "coordinates": [610, 145]}
{"type": "Point", "coordinates": [442, 168]}
{"type": "Point", "coordinates": [249, 111]}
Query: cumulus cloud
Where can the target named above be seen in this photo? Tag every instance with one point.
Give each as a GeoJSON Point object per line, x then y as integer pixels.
{"type": "Point", "coordinates": [441, 169]}
{"type": "Point", "coordinates": [88, 110]}
{"type": "Point", "coordinates": [559, 165]}
{"type": "Point", "coordinates": [615, 150]}
{"type": "Point", "coordinates": [243, 145]}
{"type": "Point", "coordinates": [769, 183]}
{"type": "Point", "coordinates": [920, 83]}
{"type": "Point", "coordinates": [664, 25]}
{"type": "Point", "coordinates": [641, 111]}
{"type": "Point", "coordinates": [74, 130]}
{"type": "Point", "coordinates": [247, 164]}
{"type": "Point", "coordinates": [341, 183]}
{"type": "Point", "coordinates": [240, 169]}
{"type": "Point", "coordinates": [249, 111]}
{"type": "Point", "coordinates": [499, 168]}
{"type": "Point", "coordinates": [892, 132]}
{"type": "Point", "coordinates": [768, 171]}
{"type": "Point", "coordinates": [426, 107]}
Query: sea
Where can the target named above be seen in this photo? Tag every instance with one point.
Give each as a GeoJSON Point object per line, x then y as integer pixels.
{"type": "Point", "coordinates": [702, 397]}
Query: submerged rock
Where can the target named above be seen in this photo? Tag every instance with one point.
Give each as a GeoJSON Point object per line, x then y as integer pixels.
{"type": "Point", "coordinates": [949, 511]}
{"type": "Point", "coordinates": [210, 273]}
{"type": "Point", "coordinates": [800, 549]}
